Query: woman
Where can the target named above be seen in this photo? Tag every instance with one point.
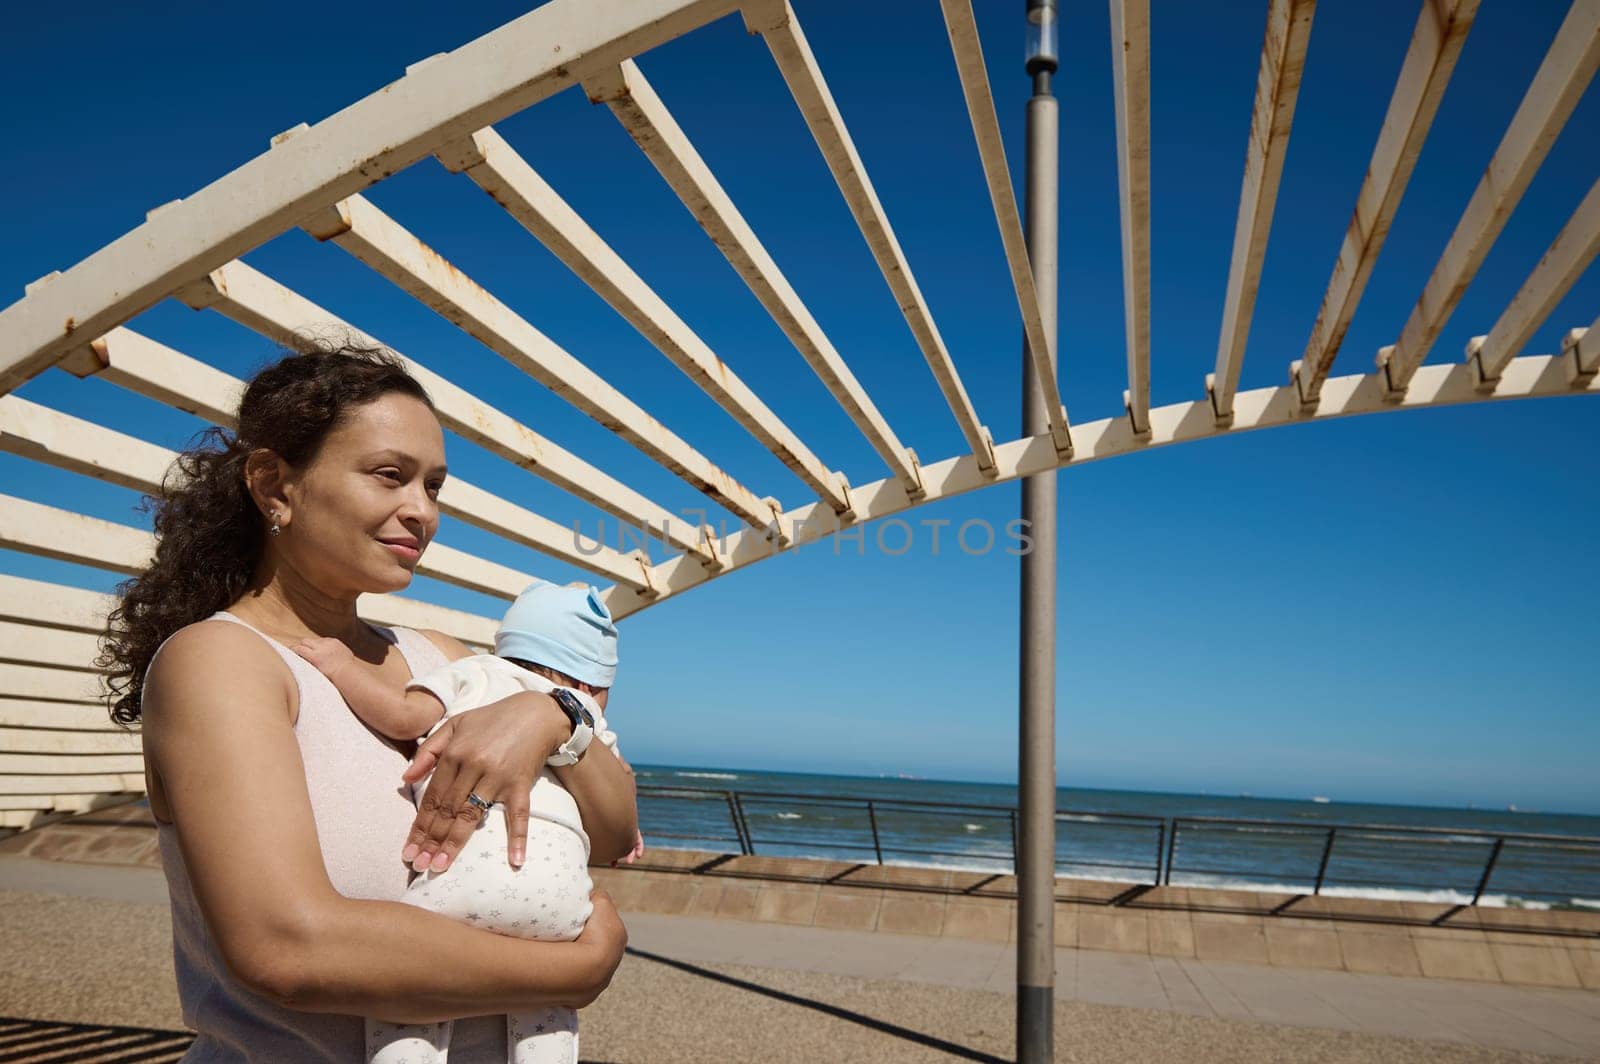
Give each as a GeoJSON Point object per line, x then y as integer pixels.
{"type": "Point", "coordinates": [284, 828]}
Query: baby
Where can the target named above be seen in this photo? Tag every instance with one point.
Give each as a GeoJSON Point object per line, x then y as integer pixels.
{"type": "Point", "coordinates": [553, 640]}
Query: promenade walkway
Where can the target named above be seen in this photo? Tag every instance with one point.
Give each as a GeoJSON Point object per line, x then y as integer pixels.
{"type": "Point", "coordinates": [88, 944]}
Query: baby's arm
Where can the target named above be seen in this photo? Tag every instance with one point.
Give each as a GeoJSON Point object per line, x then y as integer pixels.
{"type": "Point", "coordinates": [604, 734]}
{"type": "Point", "coordinates": [397, 714]}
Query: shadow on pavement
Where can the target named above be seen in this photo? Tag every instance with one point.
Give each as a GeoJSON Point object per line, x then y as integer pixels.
{"type": "Point", "coordinates": [823, 1007]}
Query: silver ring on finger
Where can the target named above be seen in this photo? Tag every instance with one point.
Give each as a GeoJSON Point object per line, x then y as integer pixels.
{"type": "Point", "coordinates": [478, 803]}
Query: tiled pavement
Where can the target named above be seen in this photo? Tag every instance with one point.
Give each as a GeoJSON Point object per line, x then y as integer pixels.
{"type": "Point", "coordinates": [1541, 1020]}
{"type": "Point", "coordinates": [126, 965]}
{"type": "Point", "coordinates": [896, 930]}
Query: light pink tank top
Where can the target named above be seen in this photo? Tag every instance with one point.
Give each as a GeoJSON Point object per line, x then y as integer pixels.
{"type": "Point", "coordinates": [363, 814]}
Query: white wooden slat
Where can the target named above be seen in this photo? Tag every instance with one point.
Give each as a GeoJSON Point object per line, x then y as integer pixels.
{"type": "Point", "coordinates": [36, 810]}
{"type": "Point", "coordinates": [471, 572]}
{"type": "Point", "coordinates": [1283, 57]}
{"type": "Point", "coordinates": [35, 602]}
{"type": "Point", "coordinates": [496, 168]}
{"type": "Point", "coordinates": [495, 514]}
{"type": "Point", "coordinates": [75, 784]}
{"type": "Point", "coordinates": [256, 301]}
{"type": "Point", "coordinates": [50, 685]}
{"type": "Point", "coordinates": [48, 532]}
{"type": "Point", "coordinates": [56, 741]}
{"type": "Point", "coordinates": [1563, 76]}
{"type": "Point", "coordinates": [394, 252]}
{"type": "Point", "coordinates": [43, 530]}
{"type": "Point", "coordinates": [37, 645]}
{"type": "Point", "coordinates": [64, 440]}
{"type": "Point", "coordinates": [1130, 66]}
{"type": "Point", "coordinates": [68, 716]}
{"type": "Point", "coordinates": [133, 361]}
{"type": "Point", "coordinates": [962, 28]}
{"type": "Point", "coordinates": [13, 803]}
{"type": "Point", "coordinates": [1436, 42]}
{"type": "Point", "coordinates": [478, 84]}
{"type": "Point", "coordinates": [66, 765]}
{"type": "Point", "coordinates": [635, 104]}
{"type": "Point", "coordinates": [1570, 254]}
{"type": "Point", "coordinates": [44, 435]}
{"type": "Point", "coordinates": [776, 22]}
{"type": "Point", "coordinates": [396, 610]}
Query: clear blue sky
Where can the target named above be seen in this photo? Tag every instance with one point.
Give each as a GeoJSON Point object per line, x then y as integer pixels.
{"type": "Point", "coordinates": [1394, 608]}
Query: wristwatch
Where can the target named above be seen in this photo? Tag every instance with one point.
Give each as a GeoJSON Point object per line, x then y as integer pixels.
{"type": "Point", "coordinates": [582, 728]}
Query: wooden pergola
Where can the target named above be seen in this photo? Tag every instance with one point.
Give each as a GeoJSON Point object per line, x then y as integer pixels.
{"type": "Point", "coordinates": [58, 752]}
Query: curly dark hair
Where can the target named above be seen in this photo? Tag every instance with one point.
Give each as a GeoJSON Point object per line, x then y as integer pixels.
{"type": "Point", "coordinates": [209, 534]}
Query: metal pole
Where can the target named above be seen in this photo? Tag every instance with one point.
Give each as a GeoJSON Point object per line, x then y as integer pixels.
{"type": "Point", "coordinates": [1036, 763]}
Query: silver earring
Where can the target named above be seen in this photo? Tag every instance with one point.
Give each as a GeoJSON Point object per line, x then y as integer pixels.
{"type": "Point", "coordinates": [276, 528]}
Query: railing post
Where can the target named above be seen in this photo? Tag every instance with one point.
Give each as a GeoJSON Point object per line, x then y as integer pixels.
{"type": "Point", "coordinates": [1172, 850]}
{"type": "Point", "coordinates": [744, 823]}
{"type": "Point", "coordinates": [1012, 814]}
{"type": "Point", "coordinates": [1322, 868]}
{"type": "Point", "coordinates": [1161, 847]}
{"type": "Point", "coordinates": [1488, 869]}
{"type": "Point", "coordinates": [872, 818]}
{"type": "Point", "coordinates": [738, 826]}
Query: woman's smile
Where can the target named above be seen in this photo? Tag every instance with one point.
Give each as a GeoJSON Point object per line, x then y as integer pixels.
{"type": "Point", "coordinates": [406, 548]}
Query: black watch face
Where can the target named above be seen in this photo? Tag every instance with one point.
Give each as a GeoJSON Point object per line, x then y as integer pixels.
{"type": "Point", "coordinates": [574, 706]}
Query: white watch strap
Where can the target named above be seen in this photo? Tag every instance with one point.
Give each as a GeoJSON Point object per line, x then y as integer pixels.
{"type": "Point", "coordinates": [569, 752]}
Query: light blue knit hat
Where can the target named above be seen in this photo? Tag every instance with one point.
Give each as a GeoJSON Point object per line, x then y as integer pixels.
{"type": "Point", "coordinates": [563, 628]}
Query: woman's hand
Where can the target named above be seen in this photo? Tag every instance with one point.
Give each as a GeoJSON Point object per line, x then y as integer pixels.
{"type": "Point", "coordinates": [495, 752]}
{"type": "Point", "coordinates": [605, 940]}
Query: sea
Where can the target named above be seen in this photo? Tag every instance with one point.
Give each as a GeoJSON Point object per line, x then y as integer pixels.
{"type": "Point", "coordinates": [1423, 853]}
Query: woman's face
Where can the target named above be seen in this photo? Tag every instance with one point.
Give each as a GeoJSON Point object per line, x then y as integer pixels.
{"type": "Point", "coordinates": [363, 511]}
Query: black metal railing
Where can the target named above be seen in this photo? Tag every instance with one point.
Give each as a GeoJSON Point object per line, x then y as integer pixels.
{"type": "Point", "coordinates": [1296, 857]}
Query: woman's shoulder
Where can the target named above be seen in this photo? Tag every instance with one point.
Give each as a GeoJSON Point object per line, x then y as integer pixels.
{"type": "Point", "coordinates": [214, 652]}
{"type": "Point", "coordinates": [212, 635]}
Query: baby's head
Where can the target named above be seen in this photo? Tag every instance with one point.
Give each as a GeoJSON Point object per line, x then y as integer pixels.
{"type": "Point", "coordinates": [563, 633]}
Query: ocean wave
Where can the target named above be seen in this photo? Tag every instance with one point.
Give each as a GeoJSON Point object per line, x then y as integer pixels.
{"type": "Point", "coordinates": [706, 775]}
{"type": "Point", "coordinates": [1443, 896]}
{"type": "Point", "coordinates": [789, 816]}
{"type": "Point", "coordinates": [973, 827]}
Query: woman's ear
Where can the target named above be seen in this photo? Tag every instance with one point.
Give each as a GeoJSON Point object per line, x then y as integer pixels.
{"type": "Point", "coordinates": [266, 478]}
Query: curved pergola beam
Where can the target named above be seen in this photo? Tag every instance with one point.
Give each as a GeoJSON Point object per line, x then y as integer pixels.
{"type": "Point", "coordinates": [1530, 377]}
{"type": "Point", "coordinates": [484, 81]}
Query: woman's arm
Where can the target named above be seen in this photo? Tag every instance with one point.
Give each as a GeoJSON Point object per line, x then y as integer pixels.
{"type": "Point", "coordinates": [500, 748]}
{"type": "Point", "coordinates": [217, 733]}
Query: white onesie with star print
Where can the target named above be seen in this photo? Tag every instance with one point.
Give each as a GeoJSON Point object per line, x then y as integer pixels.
{"type": "Point", "coordinates": [546, 899]}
